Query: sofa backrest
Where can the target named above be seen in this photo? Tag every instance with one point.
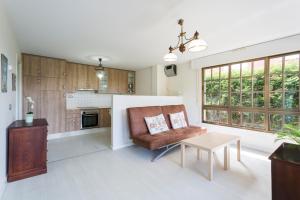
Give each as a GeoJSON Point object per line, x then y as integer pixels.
{"type": "Point", "coordinates": [136, 117]}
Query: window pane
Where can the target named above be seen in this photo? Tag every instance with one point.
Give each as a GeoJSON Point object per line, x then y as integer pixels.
{"type": "Point", "coordinates": [215, 99]}
{"type": "Point", "coordinates": [207, 99]}
{"type": "Point", "coordinates": [235, 99]}
{"type": "Point", "coordinates": [224, 99]}
{"type": "Point", "coordinates": [259, 68]}
{"type": "Point", "coordinates": [235, 85]}
{"type": "Point", "coordinates": [224, 85]}
{"type": "Point", "coordinates": [207, 74]}
{"type": "Point", "coordinates": [258, 100]}
{"type": "Point", "coordinates": [276, 100]}
{"type": "Point", "coordinates": [258, 84]}
{"type": "Point", "coordinates": [291, 82]}
{"type": "Point", "coordinates": [208, 87]}
{"type": "Point", "coordinates": [259, 120]}
{"type": "Point", "coordinates": [223, 117]}
{"type": "Point", "coordinates": [291, 100]}
{"type": "Point", "coordinates": [247, 119]}
{"type": "Point", "coordinates": [215, 73]}
{"type": "Point", "coordinates": [292, 119]}
{"type": "Point", "coordinates": [215, 87]}
{"type": "Point", "coordinates": [291, 63]}
{"type": "Point", "coordinates": [275, 82]}
{"type": "Point", "coordinates": [276, 65]}
{"type": "Point", "coordinates": [246, 99]}
{"type": "Point", "coordinates": [211, 116]}
{"type": "Point", "coordinates": [247, 84]}
{"type": "Point", "coordinates": [235, 70]}
{"type": "Point", "coordinates": [236, 118]}
{"type": "Point", "coordinates": [224, 72]}
{"type": "Point", "coordinates": [246, 69]}
{"type": "Point", "coordinates": [276, 121]}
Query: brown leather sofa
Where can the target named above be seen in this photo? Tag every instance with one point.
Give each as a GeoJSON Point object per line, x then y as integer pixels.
{"type": "Point", "coordinates": [141, 136]}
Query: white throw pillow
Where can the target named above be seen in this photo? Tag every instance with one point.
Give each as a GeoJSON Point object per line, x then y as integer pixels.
{"type": "Point", "coordinates": [156, 124]}
{"type": "Point", "coordinates": [178, 120]}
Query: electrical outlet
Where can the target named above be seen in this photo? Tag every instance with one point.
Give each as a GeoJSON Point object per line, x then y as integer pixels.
{"type": "Point", "coordinates": [9, 107]}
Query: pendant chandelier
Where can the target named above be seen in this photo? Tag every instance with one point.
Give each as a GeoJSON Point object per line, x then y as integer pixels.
{"type": "Point", "coordinates": [195, 44]}
{"type": "Point", "coordinates": [100, 69]}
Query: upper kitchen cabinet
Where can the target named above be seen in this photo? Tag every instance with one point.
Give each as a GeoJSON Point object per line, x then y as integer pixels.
{"type": "Point", "coordinates": [92, 79]}
{"type": "Point", "coordinates": [113, 80]}
{"type": "Point", "coordinates": [122, 81]}
{"type": "Point", "coordinates": [71, 77]}
{"type": "Point", "coordinates": [87, 79]}
{"type": "Point", "coordinates": [51, 67]}
{"type": "Point", "coordinates": [31, 65]}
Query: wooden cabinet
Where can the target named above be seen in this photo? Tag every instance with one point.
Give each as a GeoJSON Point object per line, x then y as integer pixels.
{"type": "Point", "coordinates": [82, 77]}
{"type": "Point", "coordinates": [105, 118]}
{"type": "Point", "coordinates": [53, 109]}
{"type": "Point", "coordinates": [47, 89]}
{"type": "Point", "coordinates": [122, 81]}
{"type": "Point", "coordinates": [92, 79]}
{"type": "Point", "coordinates": [73, 120]}
{"type": "Point", "coordinates": [51, 67]}
{"type": "Point", "coordinates": [27, 149]}
{"type": "Point", "coordinates": [31, 65]}
{"type": "Point", "coordinates": [113, 83]}
{"type": "Point", "coordinates": [71, 77]}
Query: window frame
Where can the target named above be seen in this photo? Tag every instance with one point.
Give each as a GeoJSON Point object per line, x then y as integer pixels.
{"type": "Point", "coordinates": [266, 110]}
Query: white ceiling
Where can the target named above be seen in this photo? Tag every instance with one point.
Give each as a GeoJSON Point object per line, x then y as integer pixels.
{"type": "Point", "coordinates": [137, 33]}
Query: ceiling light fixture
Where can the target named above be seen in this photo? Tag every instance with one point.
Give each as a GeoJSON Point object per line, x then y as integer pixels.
{"type": "Point", "coordinates": [100, 70]}
{"type": "Point", "coordinates": [195, 44]}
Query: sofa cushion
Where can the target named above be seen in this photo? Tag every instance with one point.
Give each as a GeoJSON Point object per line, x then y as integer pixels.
{"type": "Point", "coordinates": [156, 124]}
{"type": "Point", "coordinates": [136, 121]}
{"type": "Point", "coordinates": [157, 141]}
{"type": "Point", "coordinates": [166, 110]}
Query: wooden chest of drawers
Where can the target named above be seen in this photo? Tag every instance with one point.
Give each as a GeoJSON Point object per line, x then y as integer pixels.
{"type": "Point", "coordinates": [27, 149]}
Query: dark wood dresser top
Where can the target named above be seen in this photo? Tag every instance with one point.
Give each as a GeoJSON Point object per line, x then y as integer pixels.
{"type": "Point", "coordinates": [287, 152]}
{"type": "Point", "coordinates": [22, 124]}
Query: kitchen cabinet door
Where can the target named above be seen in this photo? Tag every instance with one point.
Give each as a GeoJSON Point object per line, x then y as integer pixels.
{"type": "Point", "coordinates": [82, 77]}
{"type": "Point", "coordinates": [71, 77]}
{"type": "Point", "coordinates": [123, 81]}
{"type": "Point", "coordinates": [32, 88]}
{"type": "Point", "coordinates": [92, 79]}
{"type": "Point", "coordinates": [113, 80]}
{"type": "Point", "coordinates": [54, 68]}
{"type": "Point", "coordinates": [105, 119]}
{"type": "Point", "coordinates": [52, 84]}
{"type": "Point", "coordinates": [53, 109]}
{"type": "Point", "coordinates": [31, 65]}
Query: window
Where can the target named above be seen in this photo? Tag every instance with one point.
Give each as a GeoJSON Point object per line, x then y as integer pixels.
{"type": "Point", "coordinates": [260, 94]}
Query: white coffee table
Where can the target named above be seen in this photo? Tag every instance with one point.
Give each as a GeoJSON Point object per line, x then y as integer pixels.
{"type": "Point", "coordinates": [211, 142]}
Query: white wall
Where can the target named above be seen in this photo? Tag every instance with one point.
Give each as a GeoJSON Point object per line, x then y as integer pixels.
{"type": "Point", "coordinates": [120, 131]}
{"type": "Point", "coordinates": [9, 48]}
{"type": "Point", "coordinates": [144, 81]}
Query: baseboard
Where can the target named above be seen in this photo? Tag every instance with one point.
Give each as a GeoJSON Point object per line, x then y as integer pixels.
{"type": "Point", "coordinates": [2, 187]}
{"type": "Point", "coordinates": [76, 133]}
{"type": "Point", "coordinates": [121, 146]}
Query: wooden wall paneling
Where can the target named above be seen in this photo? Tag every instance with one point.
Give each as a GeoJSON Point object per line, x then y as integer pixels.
{"type": "Point", "coordinates": [123, 81]}
{"type": "Point", "coordinates": [51, 67]}
{"type": "Point", "coordinates": [53, 109]}
{"type": "Point", "coordinates": [31, 65]}
{"type": "Point", "coordinates": [32, 88]}
{"type": "Point", "coordinates": [92, 79]}
{"type": "Point", "coordinates": [71, 77]}
{"type": "Point", "coordinates": [82, 76]}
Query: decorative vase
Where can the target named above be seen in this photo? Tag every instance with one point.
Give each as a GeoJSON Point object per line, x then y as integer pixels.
{"type": "Point", "coordinates": [29, 118]}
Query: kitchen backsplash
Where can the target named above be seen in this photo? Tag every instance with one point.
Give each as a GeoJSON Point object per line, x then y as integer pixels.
{"type": "Point", "coordinates": [88, 99]}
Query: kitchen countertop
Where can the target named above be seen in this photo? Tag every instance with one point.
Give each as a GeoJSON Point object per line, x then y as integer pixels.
{"type": "Point", "coordinates": [88, 108]}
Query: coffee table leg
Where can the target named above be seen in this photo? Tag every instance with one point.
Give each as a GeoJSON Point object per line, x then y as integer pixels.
{"type": "Point", "coordinates": [182, 155]}
{"type": "Point", "coordinates": [239, 150]}
{"type": "Point", "coordinates": [199, 154]}
{"type": "Point", "coordinates": [226, 157]}
{"type": "Point", "coordinates": [211, 165]}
